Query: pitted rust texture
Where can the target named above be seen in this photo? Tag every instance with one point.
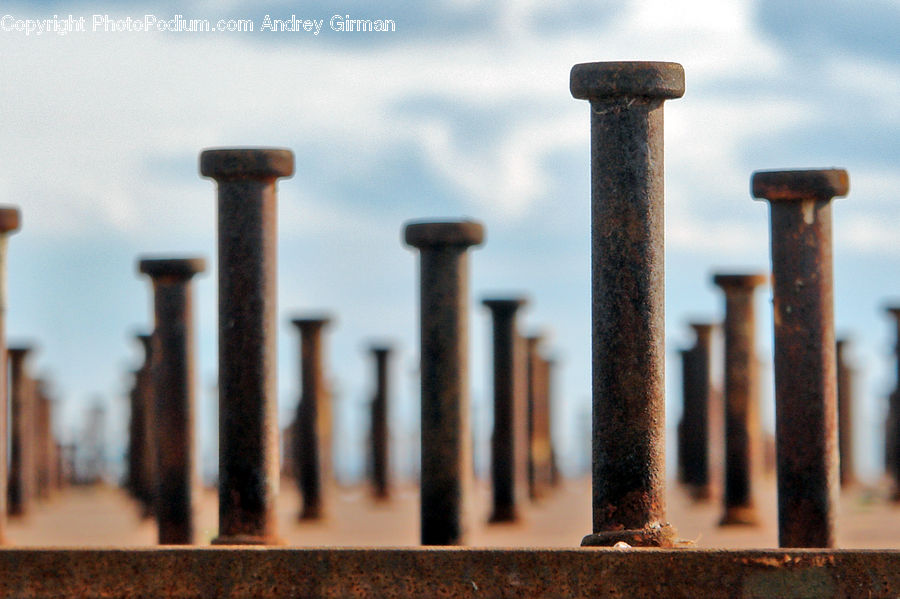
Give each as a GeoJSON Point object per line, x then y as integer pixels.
{"type": "Point", "coordinates": [628, 293]}
{"type": "Point", "coordinates": [248, 422]}
{"type": "Point", "coordinates": [446, 477]}
{"type": "Point", "coordinates": [22, 481]}
{"type": "Point", "coordinates": [173, 392]}
{"type": "Point", "coordinates": [804, 350]}
{"type": "Point", "coordinates": [312, 450]}
{"type": "Point", "coordinates": [845, 402]}
{"type": "Point", "coordinates": [743, 442]}
{"type": "Point", "coordinates": [508, 442]}
{"type": "Point", "coordinates": [693, 430]}
{"type": "Point", "coordinates": [380, 437]}
{"type": "Point", "coordinates": [892, 424]}
{"type": "Point", "coordinates": [448, 572]}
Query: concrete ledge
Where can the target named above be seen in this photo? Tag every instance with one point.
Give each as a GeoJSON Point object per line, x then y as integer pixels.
{"type": "Point", "coordinates": [279, 572]}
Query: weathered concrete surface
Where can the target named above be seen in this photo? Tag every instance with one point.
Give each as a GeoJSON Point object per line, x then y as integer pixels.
{"type": "Point", "coordinates": [446, 572]}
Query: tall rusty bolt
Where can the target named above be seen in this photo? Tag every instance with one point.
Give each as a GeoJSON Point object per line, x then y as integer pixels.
{"type": "Point", "coordinates": [446, 449]}
{"type": "Point", "coordinates": [693, 430]}
{"type": "Point", "coordinates": [743, 443]}
{"type": "Point", "coordinates": [173, 392]}
{"type": "Point", "coordinates": [845, 401]}
{"type": "Point", "coordinates": [805, 377]}
{"type": "Point", "coordinates": [22, 480]}
{"type": "Point", "coordinates": [313, 432]}
{"type": "Point", "coordinates": [628, 293]}
{"type": "Point", "coordinates": [508, 442]}
{"type": "Point", "coordinates": [892, 425]}
{"type": "Point", "coordinates": [9, 223]}
{"type": "Point", "coordinates": [379, 428]}
{"type": "Point", "coordinates": [248, 421]}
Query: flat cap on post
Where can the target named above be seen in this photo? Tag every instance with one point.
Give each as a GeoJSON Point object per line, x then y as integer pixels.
{"type": "Point", "coordinates": [628, 291]}
{"type": "Point", "coordinates": [246, 163]}
{"type": "Point", "coordinates": [182, 268]}
{"type": "Point", "coordinates": [740, 281]}
{"type": "Point", "coordinates": [426, 234]}
{"type": "Point", "coordinates": [596, 80]}
{"type": "Point", "coordinates": [10, 219]}
{"type": "Point", "coordinates": [800, 184]}
{"type": "Point", "coordinates": [804, 350]}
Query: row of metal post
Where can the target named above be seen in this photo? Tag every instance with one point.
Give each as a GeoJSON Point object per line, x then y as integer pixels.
{"type": "Point", "coordinates": [627, 339]}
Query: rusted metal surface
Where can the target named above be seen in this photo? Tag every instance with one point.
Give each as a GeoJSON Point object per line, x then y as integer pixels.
{"type": "Point", "coordinates": [313, 434]}
{"type": "Point", "coordinates": [446, 477]}
{"type": "Point", "coordinates": [693, 430]}
{"type": "Point", "coordinates": [743, 440]}
{"type": "Point", "coordinates": [805, 377]}
{"type": "Point", "coordinates": [892, 422]}
{"type": "Point", "coordinates": [9, 223]}
{"type": "Point", "coordinates": [248, 421]}
{"type": "Point", "coordinates": [173, 392]}
{"type": "Point", "coordinates": [447, 572]}
{"type": "Point", "coordinates": [628, 296]}
{"type": "Point", "coordinates": [509, 464]}
{"type": "Point", "coordinates": [22, 483]}
{"type": "Point", "coordinates": [380, 437]}
{"type": "Point", "coordinates": [845, 402]}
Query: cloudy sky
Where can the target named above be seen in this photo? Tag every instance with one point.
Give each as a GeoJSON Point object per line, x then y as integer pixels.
{"type": "Point", "coordinates": [463, 110]}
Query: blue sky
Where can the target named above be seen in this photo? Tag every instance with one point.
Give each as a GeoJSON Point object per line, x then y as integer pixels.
{"type": "Point", "coordinates": [463, 111]}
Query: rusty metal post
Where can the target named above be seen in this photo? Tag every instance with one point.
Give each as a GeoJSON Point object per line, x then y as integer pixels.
{"type": "Point", "coordinates": [892, 425]}
{"type": "Point", "coordinates": [313, 434]}
{"type": "Point", "coordinates": [133, 450]}
{"type": "Point", "coordinates": [22, 460]}
{"type": "Point", "coordinates": [146, 436]}
{"type": "Point", "coordinates": [508, 442]}
{"type": "Point", "coordinates": [42, 438]}
{"type": "Point", "coordinates": [248, 421]}
{"type": "Point", "coordinates": [537, 445]}
{"type": "Point", "coordinates": [743, 442]}
{"type": "Point", "coordinates": [380, 435]}
{"type": "Point", "coordinates": [805, 377]}
{"type": "Point", "coordinates": [693, 430]}
{"type": "Point", "coordinates": [9, 223]}
{"type": "Point", "coordinates": [628, 292]}
{"type": "Point", "coordinates": [845, 401]}
{"type": "Point", "coordinates": [446, 448]}
{"type": "Point", "coordinates": [173, 392]}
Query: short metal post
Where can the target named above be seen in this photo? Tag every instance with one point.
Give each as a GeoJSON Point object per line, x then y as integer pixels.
{"type": "Point", "coordinates": [22, 481]}
{"type": "Point", "coordinates": [805, 377]}
{"type": "Point", "coordinates": [248, 421]}
{"type": "Point", "coordinates": [845, 401]}
{"type": "Point", "coordinates": [313, 432]}
{"type": "Point", "coordinates": [693, 430]}
{"type": "Point", "coordinates": [379, 425]}
{"type": "Point", "coordinates": [446, 447]}
{"type": "Point", "coordinates": [173, 392]}
{"type": "Point", "coordinates": [508, 441]}
{"type": "Point", "coordinates": [628, 291]}
{"type": "Point", "coordinates": [743, 441]}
